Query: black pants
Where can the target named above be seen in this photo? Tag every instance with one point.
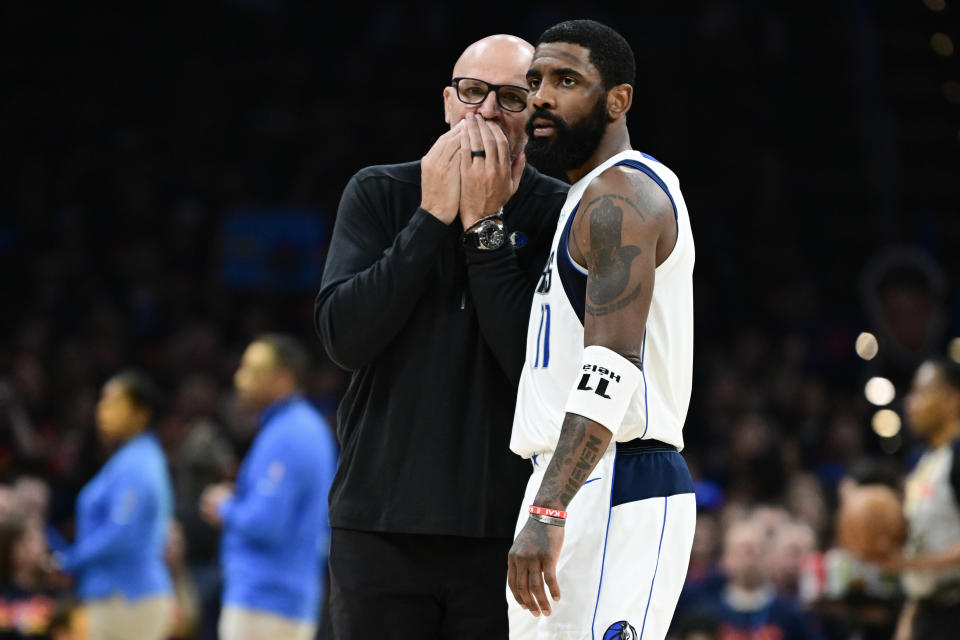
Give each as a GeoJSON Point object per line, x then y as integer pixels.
{"type": "Point", "coordinates": [421, 587]}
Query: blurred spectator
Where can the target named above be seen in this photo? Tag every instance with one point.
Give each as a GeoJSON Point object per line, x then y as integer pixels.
{"type": "Point", "coordinates": [186, 608]}
{"type": "Point", "coordinates": [123, 516]}
{"type": "Point", "coordinates": [27, 606]}
{"type": "Point", "coordinates": [748, 606]}
{"type": "Point", "coordinates": [204, 455]}
{"type": "Point", "coordinates": [33, 495]}
{"type": "Point", "coordinates": [793, 542]}
{"type": "Point", "coordinates": [275, 527]}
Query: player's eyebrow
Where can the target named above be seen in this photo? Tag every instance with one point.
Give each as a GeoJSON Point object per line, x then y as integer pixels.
{"type": "Point", "coordinates": [566, 71]}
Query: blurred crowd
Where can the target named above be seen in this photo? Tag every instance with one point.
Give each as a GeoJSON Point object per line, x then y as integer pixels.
{"type": "Point", "coordinates": [117, 252]}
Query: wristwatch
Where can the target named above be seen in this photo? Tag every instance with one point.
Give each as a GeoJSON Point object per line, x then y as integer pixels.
{"type": "Point", "coordinates": [487, 235]}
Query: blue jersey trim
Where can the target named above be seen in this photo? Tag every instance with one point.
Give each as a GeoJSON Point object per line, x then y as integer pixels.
{"type": "Point", "coordinates": [572, 278]}
{"type": "Point", "coordinates": [603, 558]}
{"type": "Point", "coordinates": [643, 374]}
{"type": "Point", "coordinates": [655, 567]}
{"type": "Point", "coordinates": [536, 362]}
{"type": "Point", "coordinates": [546, 340]}
{"type": "Point", "coordinates": [639, 166]}
{"type": "Point", "coordinates": [643, 474]}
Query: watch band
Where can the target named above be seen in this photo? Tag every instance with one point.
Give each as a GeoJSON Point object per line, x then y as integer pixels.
{"type": "Point", "coordinates": [498, 214]}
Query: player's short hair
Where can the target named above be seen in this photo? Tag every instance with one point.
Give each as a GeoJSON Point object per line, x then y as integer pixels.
{"type": "Point", "coordinates": [289, 352]}
{"type": "Point", "coordinates": [139, 389]}
{"type": "Point", "coordinates": [610, 52]}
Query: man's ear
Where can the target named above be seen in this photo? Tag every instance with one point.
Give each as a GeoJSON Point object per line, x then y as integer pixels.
{"type": "Point", "coordinates": [447, 109]}
{"type": "Point", "coordinates": [619, 101]}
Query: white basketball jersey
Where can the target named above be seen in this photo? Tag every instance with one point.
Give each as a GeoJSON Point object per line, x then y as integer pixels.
{"type": "Point", "coordinates": [658, 408]}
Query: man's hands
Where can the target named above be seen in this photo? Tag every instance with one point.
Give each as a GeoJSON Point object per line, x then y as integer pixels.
{"type": "Point", "coordinates": [440, 176]}
{"type": "Point", "coordinates": [533, 560]}
{"type": "Point", "coordinates": [486, 182]}
{"type": "Point", "coordinates": [211, 499]}
{"type": "Point", "coordinates": [452, 180]}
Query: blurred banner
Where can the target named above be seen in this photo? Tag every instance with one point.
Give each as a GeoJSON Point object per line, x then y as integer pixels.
{"type": "Point", "coordinates": [273, 248]}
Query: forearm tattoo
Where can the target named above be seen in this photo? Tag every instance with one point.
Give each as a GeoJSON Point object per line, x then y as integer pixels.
{"type": "Point", "coordinates": [576, 455]}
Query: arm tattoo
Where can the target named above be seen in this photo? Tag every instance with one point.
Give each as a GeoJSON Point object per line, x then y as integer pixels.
{"type": "Point", "coordinates": [586, 463]}
{"type": "Point", "coordinates": [609, 261]}
{"type": "Point", "coordinates": [575, 457]}
{"type": "Point", "coordinates": [604, 309]}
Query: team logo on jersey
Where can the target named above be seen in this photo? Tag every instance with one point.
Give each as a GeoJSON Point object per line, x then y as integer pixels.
{"type": "Point", "coordinates": [622, 630]}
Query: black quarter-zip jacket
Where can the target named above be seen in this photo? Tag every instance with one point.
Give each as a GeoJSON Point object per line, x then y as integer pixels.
{"type": "Point", "coordinates": [435, 335]}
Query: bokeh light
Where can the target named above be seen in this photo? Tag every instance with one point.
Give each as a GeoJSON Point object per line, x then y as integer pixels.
{"type": "Point", "coordinates": [880, 391]}
{"type": "Point", "coordinates": [953, 349]}
{"type": "Point", "coordinates": [935, 5]}
{"type": "Point", "coordinates": [886, 423]}
{"type": "Point", "coordinates": [942, 44]}
{"type": "Point", "coordinates": [867, 346]}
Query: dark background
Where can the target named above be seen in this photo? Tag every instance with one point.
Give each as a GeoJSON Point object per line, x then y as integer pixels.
{"type": "Point", "coordinates": [170, 175]}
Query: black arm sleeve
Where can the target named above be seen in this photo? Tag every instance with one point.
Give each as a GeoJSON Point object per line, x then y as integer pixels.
{"type": "Point", "coordinates": [371, 285]}
{"type": "Point", "coordinates": [502, 293]}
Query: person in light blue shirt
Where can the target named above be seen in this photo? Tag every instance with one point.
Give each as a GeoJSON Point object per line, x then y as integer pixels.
{"type": "Point", "coordinates": [123, 515]}
{"type": "Point", "coordinates": [275, 526]}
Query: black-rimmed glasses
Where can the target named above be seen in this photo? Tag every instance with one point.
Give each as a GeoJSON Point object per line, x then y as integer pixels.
{"type": "Point", "coordinates": [473, 91]}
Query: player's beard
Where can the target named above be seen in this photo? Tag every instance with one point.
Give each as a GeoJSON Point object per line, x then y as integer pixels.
{"type": "Point", "coordinates": [571, 145]}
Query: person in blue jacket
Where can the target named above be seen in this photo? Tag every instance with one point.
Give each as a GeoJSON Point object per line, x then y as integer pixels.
{"type": "Point", "coordinates": [275, 526]}
{"type": "Point", "coordinates": [123, 515]}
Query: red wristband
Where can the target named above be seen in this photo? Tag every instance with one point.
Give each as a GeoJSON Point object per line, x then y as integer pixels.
{"type": "Point", "coordinates": [552, 513]}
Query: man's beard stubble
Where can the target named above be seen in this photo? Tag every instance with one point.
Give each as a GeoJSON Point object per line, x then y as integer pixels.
{"type": "Point", "coordinates": [572, 145]}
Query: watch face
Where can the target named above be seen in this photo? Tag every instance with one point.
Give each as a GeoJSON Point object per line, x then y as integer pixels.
{"type": "Point", "coordinates": [491, 236]}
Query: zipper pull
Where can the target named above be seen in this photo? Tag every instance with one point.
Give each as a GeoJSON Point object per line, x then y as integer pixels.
{"type": "Point", "coordinates": [463, 300]}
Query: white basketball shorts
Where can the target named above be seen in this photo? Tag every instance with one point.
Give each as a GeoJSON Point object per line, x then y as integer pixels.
{"type": "Point", "coordinates": [625, 551]}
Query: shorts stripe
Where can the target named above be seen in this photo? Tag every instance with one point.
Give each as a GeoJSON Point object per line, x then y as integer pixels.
{"type": "Point", "coordinates": [603, 558]}
{"type": "Point", "coordinates": [655, 567]}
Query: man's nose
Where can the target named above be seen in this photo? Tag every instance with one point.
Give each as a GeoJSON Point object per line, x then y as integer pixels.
{"type": "Point", "coordinates": [489, 108]}
{"type": "Point", "coordinates": [540, 100]}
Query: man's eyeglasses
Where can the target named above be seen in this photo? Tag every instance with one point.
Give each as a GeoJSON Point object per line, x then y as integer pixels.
{"type": "Point", "coordinates": [473, 91]}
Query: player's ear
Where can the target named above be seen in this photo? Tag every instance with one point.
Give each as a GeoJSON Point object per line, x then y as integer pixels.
{"type": "Point", "coordinates": [619, 100]}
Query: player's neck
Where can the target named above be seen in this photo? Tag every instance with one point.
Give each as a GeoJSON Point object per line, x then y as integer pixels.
{"type": "Point", "coordinates": [615, 140]}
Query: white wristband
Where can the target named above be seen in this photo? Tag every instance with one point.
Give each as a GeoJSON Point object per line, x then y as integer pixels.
{"type": "Point", "coordinates": [604, 386]}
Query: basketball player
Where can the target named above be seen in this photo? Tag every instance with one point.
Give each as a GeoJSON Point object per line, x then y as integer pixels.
{"type": "Point", "coordinates": [931, 557]}
{"type": "Point", "coordinates": [606, 383]}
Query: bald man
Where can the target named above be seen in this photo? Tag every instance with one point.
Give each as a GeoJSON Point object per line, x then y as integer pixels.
{"type": "Point", "coordinates": [425, 298]}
